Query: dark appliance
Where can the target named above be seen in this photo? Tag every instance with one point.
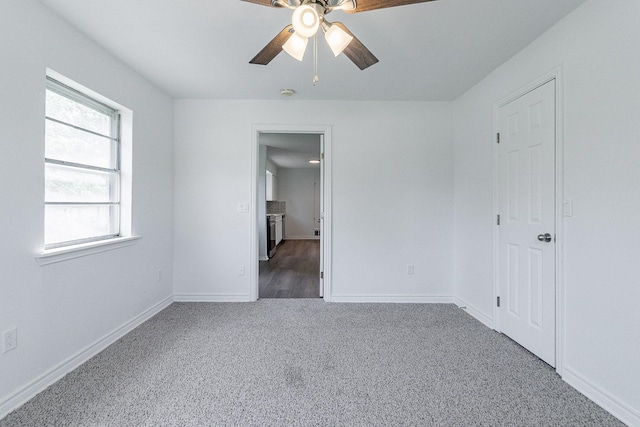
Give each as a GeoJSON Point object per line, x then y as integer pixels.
{"type": "Point", "coordinates": [271, 235]}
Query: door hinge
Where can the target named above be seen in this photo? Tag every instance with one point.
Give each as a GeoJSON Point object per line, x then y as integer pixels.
{"type": "Point", "coordinates": [498, 138]}
{"type": "Point", "coordinates": [498, 301]}
{"type": "Point", "coordinates": [322, 156]}
{"type": "Point", "coordinates": [498, 220]}
{"type": "Point", "coordinates": [322, 274]}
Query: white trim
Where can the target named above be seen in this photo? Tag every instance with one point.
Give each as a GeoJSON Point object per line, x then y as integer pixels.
{"type": "Point", "coordinates": [211, 298]}
{"type": "Point", "coordinates": [621, 410]}
{"type": "Point", "coordinates": [256, 130]}
{"type": "Point", "coordinates": [560, 325]}
{"type": "Point", "coordinates": [474, 312]}
{"type": "Point", "coordinates": [254, 244]}
{"type": "Point", "coordinates": [556, 75]}
{"type": "Point", "coordinates": [21, 396]}
{"type": "Point", "coordinates": [51, 256]}
{"type": "Point", "coordinates": [126, 153]}
{"type": "Point", "coordinates": [403, 299]}
{"type": "Point", "coordinates": [327, 224]}
{"type": "Point", "coordinates": [496, 211]}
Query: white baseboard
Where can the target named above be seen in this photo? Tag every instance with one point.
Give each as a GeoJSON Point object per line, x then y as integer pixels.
{"type": "Point", "coordinates": [417, 299]}
{"type": "Point", "coordinates": [211, 298]}
{"type": "Point", "coordinates": [51, 376]}
{"type": "Point", "coordinates": [608, 402]}
{"type": "Point", "coordinates": [475, 313]}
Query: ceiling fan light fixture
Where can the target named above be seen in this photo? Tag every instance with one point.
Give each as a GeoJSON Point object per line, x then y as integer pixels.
{"type": "Point", "coordinates": [306, 20]}
{"type": "Point", "coordinates": [295, 46]}
{"type": "Point", "coordinates": [336, 38]}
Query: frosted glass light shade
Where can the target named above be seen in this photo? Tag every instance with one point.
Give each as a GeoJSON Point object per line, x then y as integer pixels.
{"type": "Point", "coordinates": [296, 46]}
{"type": "Point", "coordinates": [337, 38]}
{"type": "Point", "coordinates": [306, 21]}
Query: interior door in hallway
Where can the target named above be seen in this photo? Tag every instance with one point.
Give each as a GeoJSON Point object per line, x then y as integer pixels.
{"type": "Point", "coordinates": [526, 152]}
{"type": "Point", "coordinates": [319, 197]}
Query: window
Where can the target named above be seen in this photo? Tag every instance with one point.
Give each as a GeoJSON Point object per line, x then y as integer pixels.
{"type": "Point", "coordinates": [82, 168]}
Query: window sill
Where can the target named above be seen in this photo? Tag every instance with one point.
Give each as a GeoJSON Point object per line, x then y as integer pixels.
{"type": "Point", "coordinates": [51, 256]}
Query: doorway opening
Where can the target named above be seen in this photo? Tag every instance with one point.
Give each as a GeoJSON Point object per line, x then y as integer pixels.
{"type": "Point", "coordinates": [291, 215]}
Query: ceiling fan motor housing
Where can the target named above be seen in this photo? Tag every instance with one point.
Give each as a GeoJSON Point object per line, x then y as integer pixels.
{"type": "Point", "coordinates": [326, 5]}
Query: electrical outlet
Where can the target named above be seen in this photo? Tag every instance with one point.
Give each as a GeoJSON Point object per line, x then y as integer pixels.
{"type": "Point", "coordinates": [241, 270]}
{"type": "Point", "coordinates": [159, 278]}
{"type": "Point", "coordinates": [410, 269]}
{"type": "Point", "coordinates": [10, 339]}
{"type": "Point", "coordinates": [243, 207]}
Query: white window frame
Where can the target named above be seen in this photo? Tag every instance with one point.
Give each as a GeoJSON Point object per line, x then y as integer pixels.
{"type": "Point", "coordinates": [114, 171]}
{"type": "Point", "coordinates": [46, 257]}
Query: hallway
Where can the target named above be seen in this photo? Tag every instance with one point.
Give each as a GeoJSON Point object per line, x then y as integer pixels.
{"type": "Point", "coordinates": [293, 272]}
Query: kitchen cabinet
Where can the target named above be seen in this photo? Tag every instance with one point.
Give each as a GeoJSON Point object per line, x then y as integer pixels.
{"type": "Point", "coordinates": [272, 187]}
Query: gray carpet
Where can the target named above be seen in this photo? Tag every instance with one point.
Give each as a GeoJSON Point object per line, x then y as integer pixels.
{"type": "Point", "coordinates": [306, 362]}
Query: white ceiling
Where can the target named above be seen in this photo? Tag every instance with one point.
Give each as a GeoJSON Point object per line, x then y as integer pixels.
{"type": "Point", "coordinates": [201, 48]}
{"type": "Point", "coordinates": [292, 150]}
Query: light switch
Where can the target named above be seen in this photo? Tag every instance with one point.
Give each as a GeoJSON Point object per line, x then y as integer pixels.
{"type": "Point", "coordinates": [567, 208]}
{"type": "Point", "coordinates": [243, 207]}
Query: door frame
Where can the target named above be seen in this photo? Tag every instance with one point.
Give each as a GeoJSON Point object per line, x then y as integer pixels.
{"type": "Point", "coordinates": [557, 75]}
{"type": "Point", "coordinates": [325, 230]}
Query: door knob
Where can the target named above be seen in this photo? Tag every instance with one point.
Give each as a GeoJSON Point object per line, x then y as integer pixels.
{"type": "Point", "coordinates": [546, 237]}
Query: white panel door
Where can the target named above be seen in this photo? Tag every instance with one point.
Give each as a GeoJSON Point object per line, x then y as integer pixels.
{"type": "Point", "coordinates": [526, 254]}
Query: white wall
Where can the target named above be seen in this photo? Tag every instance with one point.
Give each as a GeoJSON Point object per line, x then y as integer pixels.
{"type": "Point", "coordinates": [296, 187]}
{"type": "Point", "coordinates": [63, 308]}
{"type": "Point", "coordinates": [392, 195]}
{"type": "Point", "coordinates": [597, 47]}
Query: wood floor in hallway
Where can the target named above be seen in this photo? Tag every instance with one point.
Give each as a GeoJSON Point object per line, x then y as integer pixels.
{"type": "Point", "coordinates": [294, 272]}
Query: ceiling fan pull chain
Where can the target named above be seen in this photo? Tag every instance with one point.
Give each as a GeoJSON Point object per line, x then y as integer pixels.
{"type": "Point", "coordinates": [315, 59]}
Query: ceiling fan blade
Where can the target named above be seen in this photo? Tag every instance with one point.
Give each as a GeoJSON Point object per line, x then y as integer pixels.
{"type": "Point", "coordinates": [273, 48]}
{"type": "Point", "coordinates": [356, 51]}
{"type": "Point", "coordinates": [365, 5]}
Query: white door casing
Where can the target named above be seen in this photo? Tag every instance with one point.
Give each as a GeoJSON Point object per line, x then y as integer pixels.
{"type": "Point", "coordinates": [526, 205]}
{"type": "Point", "coordinates": [325, 132]}
{"type": "Point", "coordinates": [321, 220]}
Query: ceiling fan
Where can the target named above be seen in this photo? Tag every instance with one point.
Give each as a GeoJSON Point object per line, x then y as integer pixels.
{"type": "Point", "coordinates": [309, 17]}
